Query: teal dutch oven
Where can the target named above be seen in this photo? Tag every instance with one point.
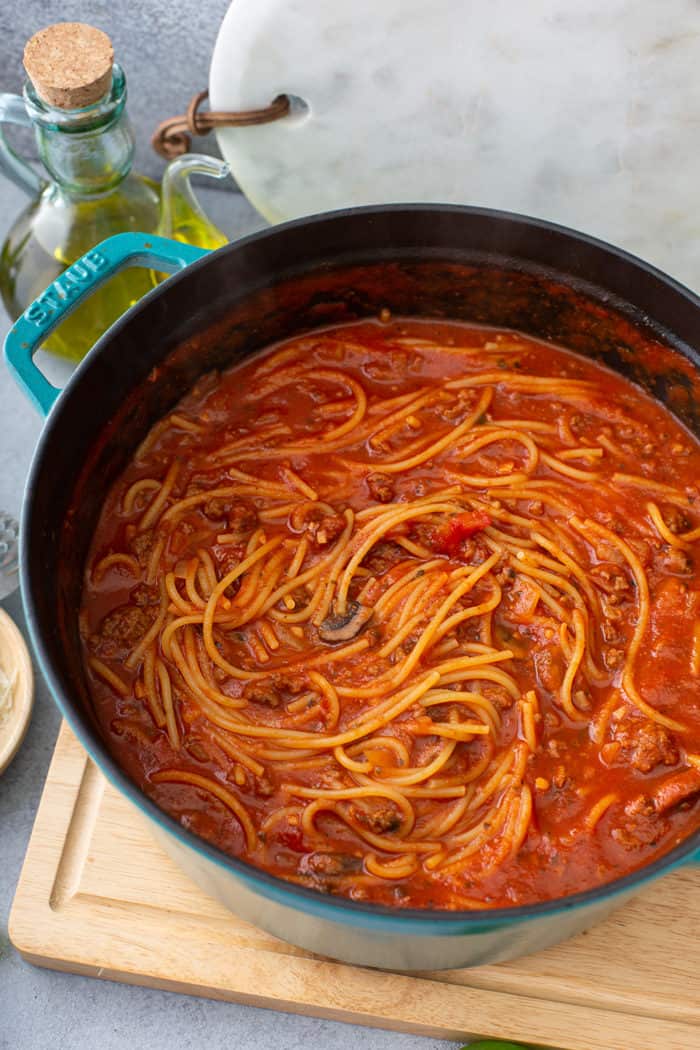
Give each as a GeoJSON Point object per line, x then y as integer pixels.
{"type": "Point", "coordinates": [422, 260]}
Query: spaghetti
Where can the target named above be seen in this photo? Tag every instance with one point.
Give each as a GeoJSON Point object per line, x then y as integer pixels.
{"type": "Point", "coordinates": [408, 612]}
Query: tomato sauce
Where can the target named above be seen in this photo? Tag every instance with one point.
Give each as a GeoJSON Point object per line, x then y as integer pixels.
{"type": "Point", "coordinates": [572, 760]}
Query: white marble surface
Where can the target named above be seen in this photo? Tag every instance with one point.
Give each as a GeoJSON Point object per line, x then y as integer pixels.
{"type": "Point", "coordinates": [44, 1010]}
{"type": "Point", "coordinates": [585, 112]}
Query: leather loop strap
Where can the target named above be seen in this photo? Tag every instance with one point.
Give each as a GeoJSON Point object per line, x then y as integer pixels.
{"type": "Point", "coordinates": [172, 137]}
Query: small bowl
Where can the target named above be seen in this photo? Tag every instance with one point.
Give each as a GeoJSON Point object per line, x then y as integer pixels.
{"type": "Point", "coordinates": [17, 667]}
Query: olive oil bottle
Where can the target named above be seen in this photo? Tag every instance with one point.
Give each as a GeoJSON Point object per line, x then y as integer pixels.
{"type": "Point", "coordinates": [75, 100]}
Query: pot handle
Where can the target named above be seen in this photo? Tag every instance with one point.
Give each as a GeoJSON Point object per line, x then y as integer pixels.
{"type": "Point", "coordinates": [71, 288]}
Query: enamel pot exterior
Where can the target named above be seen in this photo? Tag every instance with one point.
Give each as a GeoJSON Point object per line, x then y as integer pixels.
{"type": "Point", "coordinates": [370, 940]}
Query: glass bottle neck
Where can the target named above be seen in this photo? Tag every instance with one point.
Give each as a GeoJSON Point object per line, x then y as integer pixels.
{"type": "Point", "coordinates": [89, 151]}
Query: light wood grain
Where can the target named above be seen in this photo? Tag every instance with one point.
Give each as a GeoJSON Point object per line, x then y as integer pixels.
{"type": "Point", "coordinates": [97, 896]}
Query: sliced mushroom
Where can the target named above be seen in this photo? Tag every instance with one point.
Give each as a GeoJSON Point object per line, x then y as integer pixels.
{"type": "Point", "coordinates": [343, 627]}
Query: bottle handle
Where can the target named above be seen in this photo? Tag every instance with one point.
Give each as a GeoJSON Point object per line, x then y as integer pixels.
{"type": "Point", "coordinates": [20, 171]}
{"type": "Point", "coordinates": [74, 285]}
{"type": "Point", "coordinates": [182, 217]}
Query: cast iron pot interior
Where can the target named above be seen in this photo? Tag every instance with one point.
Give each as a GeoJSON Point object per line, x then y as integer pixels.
{"type": "Point", "coordinates": [424, 261]}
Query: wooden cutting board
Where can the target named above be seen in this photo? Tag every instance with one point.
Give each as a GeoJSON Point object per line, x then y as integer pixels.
{"type": "Point", "coordinates": [97, 896]}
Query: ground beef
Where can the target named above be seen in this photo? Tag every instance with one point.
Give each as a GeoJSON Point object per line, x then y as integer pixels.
{"type": "Point", "coordinates": [391, 365]}
{"type": "Point", "coordinates": [549, 668]}
{"type": "Point", "coordinates": [330, 863]}
{"type": "Point", "coordinates": [499, 697]}
{"type": "Point", "coordinates": [142, 545]}
{"type": "Point", "coordinates": [122, 630]}
{"type": "Point", "coordinates": [609, 632]}
{"type": "Point", "coordinates": [674, 560]}
{"type": "Point", "coordinates": [264, 787]}
{"type": "Point", "coordinates": [471, 549]}
{"type": "Point", "coordinates": [643, 806]}
{"type": "Point", "coordinates": [134, 731]}
{"type": "Point", "coordinates": [613, 581]}
{"type": "Point", "coordinates": [608, 552]}
{"type": "Point", "coordinates": [195, 487]}
{"type": "Point", "coordinates": [291, 683]}
{"type": "Point", "coordinates": [300, 597]}
{"type": "Point", "coordinates": [196, 748]}
{"type": "Point", "coordinates": [216, 508]}
{"type": "Point", "coordinates": [455, 410]}
{"type": "Point", "coordinates": [639, 825]}
{"type": "Point", "coordinates": [475, 551]}
{"type": "Point", "coordinates": [613, 658]}
{"type": "Point", "coordinates": [242, 519]}
{"type": "Point", "coordinates": [228, 559]}
{"type": "Point", "coordinates": [554, 747]}
{"type": "Point", "coordinates": [468, 631]}
{"type": "Point", "coordinates": [676, 520]}
{"type": "Point", "coordinates": [318, 526]}
{"type": "Point", "coordinates": [262, 693]}
{"type": "Point", "coordinates": [381, 487]}
{"type": "Point", "coordinates": [180, 537]}
{"type": "Point", "coordinates": [382, 557]}
{"type": "Point", "coordinates": [275, 690]}
{"type": "Point", "coordinates": [381, 820]}
{"type": "Point", "coordinates": [425, 533]}
{"type": "Point", "coordinates": [328, 530]}
{"type": "Point", "coordinates": [612, 612]}
{"type": "Point", "coordinates": [560, 778]}
{"type": "Point", "coordinates": [143, 595]}
{"type": "Point", "coordinates": [410, 642]}
{"type": "Point", "coordinates": [644, 744]}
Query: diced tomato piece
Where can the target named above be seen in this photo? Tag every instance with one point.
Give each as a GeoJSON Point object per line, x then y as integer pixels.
{"type": "Point", "coordinates": [460, 528]}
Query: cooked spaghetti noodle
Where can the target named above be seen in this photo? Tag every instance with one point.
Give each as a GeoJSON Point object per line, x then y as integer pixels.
{"type": "Point", "coordinates": [408, 612]}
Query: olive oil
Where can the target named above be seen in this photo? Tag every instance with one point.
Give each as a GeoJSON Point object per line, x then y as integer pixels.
{"type": "Point", "coordinates": [52, 233]}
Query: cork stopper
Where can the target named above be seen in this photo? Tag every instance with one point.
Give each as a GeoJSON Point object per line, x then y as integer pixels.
{"type": "Point", "coordinates": [70, 64]}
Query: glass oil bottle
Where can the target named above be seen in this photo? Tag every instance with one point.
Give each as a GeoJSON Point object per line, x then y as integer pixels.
{"type": "Point", "coordinates": [87, 190]}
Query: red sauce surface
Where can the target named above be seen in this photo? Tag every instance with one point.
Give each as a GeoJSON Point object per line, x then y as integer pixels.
{"type": "Point", "coordinates": [604, 747]}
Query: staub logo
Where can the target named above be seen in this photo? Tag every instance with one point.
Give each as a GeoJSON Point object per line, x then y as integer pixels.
{"type": "Point", "coordinates": [69, 285]}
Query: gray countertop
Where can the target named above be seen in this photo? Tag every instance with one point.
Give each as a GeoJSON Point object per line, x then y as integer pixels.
{"type": "Point", "coordinates": [42, 1009]}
